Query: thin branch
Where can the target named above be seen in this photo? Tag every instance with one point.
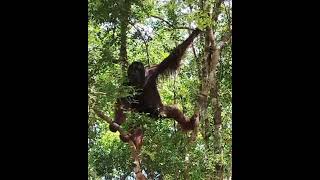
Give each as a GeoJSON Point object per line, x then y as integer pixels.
{"type": "Point", "coordinates": [158, 17]}
{"type": "Point", "coordinates": [216, 10]}
{"type": "Point", "coordinates": [192, 45]}
{"type": "Point", "coordinates": [193, 50]}
{"type": "Point", "coordinates": [180, 27]}
{"type": "Point", "coordinates": [98, 93]}
{"type": "Point", "coordinates": [225, 39]}
{"type": "Point", "coordinates": [171, 25]}
{"type": "Point", "coordinates": [144, 41]}
{"type": "Point", "coordinates": [228, 16]}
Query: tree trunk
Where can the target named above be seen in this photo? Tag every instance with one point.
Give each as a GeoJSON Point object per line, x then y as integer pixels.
{"type": "Point", "coordinates": [218, 150]}
{"type": "Point", "coordinates": [209, 85]}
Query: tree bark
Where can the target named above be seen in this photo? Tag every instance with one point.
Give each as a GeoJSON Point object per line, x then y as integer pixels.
{"type": "Point", "coordinates": [212, 60]}
{"type": "Point", "coordinates": [218, 150]}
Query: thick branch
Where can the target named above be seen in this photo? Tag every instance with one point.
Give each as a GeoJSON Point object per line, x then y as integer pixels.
{"type": "Point", "coordinates": [135, 155]}
{"type": "Point", "coordinates": [215, 104]}
{"type": "Point", "coordinates": [211, 37]}
{"type": "Point", "coordinates": [227, 36]}
{"type": "Point", "coordinates": [109, 120]}
{"type": "Point", "coordinates": [209, 65]}
{"type": "Point", "coordinates": [218, 150]}
{"type": "Point", "coordinates": [134, 149]}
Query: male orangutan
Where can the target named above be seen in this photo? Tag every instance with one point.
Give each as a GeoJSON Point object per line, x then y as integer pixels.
{"type": "Point", "coordinates": [148, 100]}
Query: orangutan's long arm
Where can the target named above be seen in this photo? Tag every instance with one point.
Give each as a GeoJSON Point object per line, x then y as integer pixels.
{"type": "Point", "coordinates": [172, 62]}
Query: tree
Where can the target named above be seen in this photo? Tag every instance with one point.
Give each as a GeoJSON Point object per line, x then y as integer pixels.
{"type": "Point", "coordinates": [124, 31]}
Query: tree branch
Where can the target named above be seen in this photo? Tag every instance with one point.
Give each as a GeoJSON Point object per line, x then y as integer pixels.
{"type": "Point", "coordinates": [171, 25]}
{"type": "Point", "coordinates": [216, 10]}
{"type": "Point", "coordinates": [182, 27]}
{"type": "Point", "coordinates": [109, 120]}
{"type": "Point", "coordinates": [135, 152]}
{"type": "Point", "coordinates": [211, 37]}
{"type": "Point", "coordinates": [225, 39]}
{"type": "Point", "coordinates": [144, 41]}
{"type": "Point", "coordinates": [158, 17]}
{"type": "Point", "coordinates": [98, 93]}
{"type": "Point", "coordinates": [228, 16]}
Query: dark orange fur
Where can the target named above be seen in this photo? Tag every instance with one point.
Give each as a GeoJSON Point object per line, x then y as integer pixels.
{"type": "Point", "coordinates": [150, 101]}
